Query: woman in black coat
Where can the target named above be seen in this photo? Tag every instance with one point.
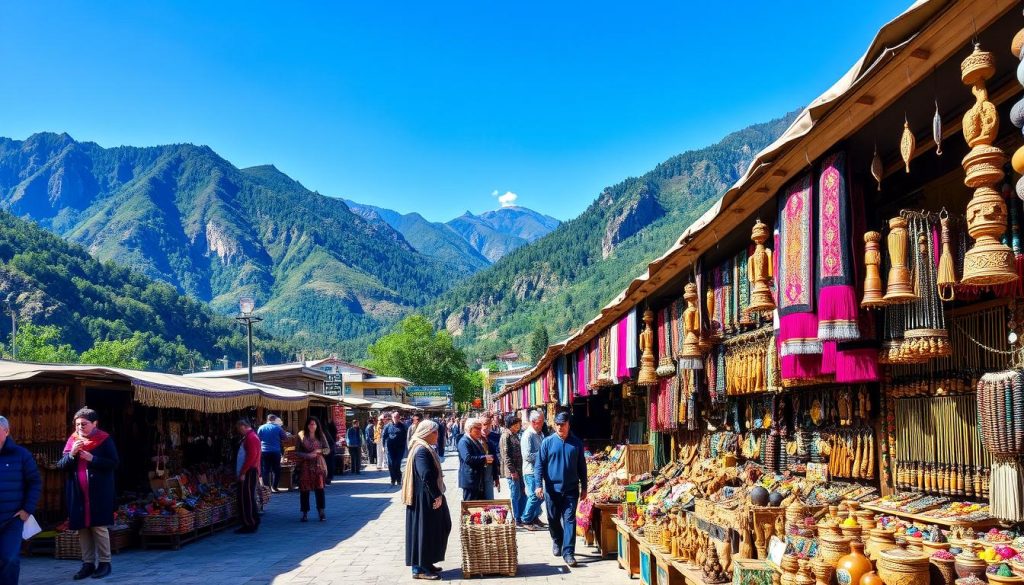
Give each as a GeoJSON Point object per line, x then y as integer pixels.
{"type": "Point", "coordinates": [427, 520]}
{"type": "Point", "coordinates": [90, 458]}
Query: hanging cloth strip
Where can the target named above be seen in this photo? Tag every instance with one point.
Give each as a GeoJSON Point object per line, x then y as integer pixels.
{"type": "Point", "coordinates": [622, 348]}
{"type": "Point", "coordinates": [857, 360]}
{"type": "Point", "coordinates": [798, 326]}
{"type": "Point", "coordinates": [632, 340]}
{"type": "Point", "coordinates": [837, 293]}
{"type": "Point", "coordinates": [582, 382]}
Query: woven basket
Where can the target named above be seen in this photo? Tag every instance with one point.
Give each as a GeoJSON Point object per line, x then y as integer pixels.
{"type": "Point", "coordinates": [66, 546]}
{"type": "Point", "coordinates": [203, 517]}
{"type": "Point", "coordinates": [488, 549]}
{"type": "Point", "coordinates": [176, 524]}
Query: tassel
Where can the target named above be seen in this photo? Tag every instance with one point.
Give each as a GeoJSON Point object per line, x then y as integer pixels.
{"type": "Point", "coordinates": [946, 280]}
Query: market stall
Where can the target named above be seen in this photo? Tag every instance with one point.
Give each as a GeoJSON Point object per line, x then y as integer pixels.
{"type": "Point", "coordinates": [826, 367]}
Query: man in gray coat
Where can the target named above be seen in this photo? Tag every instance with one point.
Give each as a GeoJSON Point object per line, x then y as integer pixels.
{"type": "Point", "coordinates": [530, 446]}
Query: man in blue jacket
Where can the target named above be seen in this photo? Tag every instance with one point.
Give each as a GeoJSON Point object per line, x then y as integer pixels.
{"type": "Point", "coordinates": [20, 487]}
{"type": "Point", "coordinates": [354, 440]}
{"type": "Point", "coordinates": [473, 459]}
{"type": "Point", "coordinates": [271, 435]}
{"type": "Point", "coordinates": [562, 471]}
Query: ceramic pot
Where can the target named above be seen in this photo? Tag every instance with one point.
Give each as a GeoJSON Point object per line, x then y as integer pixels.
{"type": "Point", "coordinates": [853, 566]}
{"type": "Point", "coordinates": [871, 578]}
{"type": "Point", "coordinates": [965, 566]}
{"type": "Point", "coordinates": [994, 579]}
{"type": "Point", "coordinates": [902, 566]}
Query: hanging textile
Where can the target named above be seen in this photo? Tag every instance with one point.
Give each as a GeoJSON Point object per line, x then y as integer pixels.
{"type": "Point", "coordinates": [798, 327]}
{"type": "Point", "coordinates": [742, 280]}
{"type": "Point", "coordinates": [582, 381]}
{"type": "Point", "coordinates": [622, 343]}
{"type": "Point", "coordinates": [837, 295]}
{"type": "Point", "coordinates": [632, 340]}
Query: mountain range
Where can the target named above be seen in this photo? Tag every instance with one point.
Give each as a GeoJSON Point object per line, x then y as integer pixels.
{"type": "Point", "coordinates": [334, 274]}
{"type": "Point", "coordinates": [468, 241]}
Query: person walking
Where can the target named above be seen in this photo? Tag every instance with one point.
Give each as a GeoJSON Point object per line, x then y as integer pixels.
{"type": "Point", "coordinates": [354, 440]}
{"type": "Point", "coordinates": [427, 519]}
{"type": "Point", "coordinates": [411, 428]}
{"type": "Point", "coordinates": [271, 435]}
{"type": "Point", "coordinates": [562, 469]}
{"type": "Point", "coordinates": [311, 448]}
{"type": "Point", "coordinates": [529, 445]}
{"type": "Point", "coordinates": [331, 458]}
{"type": "Point", "coordinates": [90, 458]}
{"type": "Point", "coordinates": [442, 439]}
{"type": "Point", "coordinates": [492, 440]}
{"type": "Point", "coordinates": [247, 465]}
{"type": "Point", "coordinates": [394, 437]}
{"type": "Point", "coordinates": [20, 488]}
{"type": "Point", "coordinates": [510, 456]}
{"type": "Point", "coordinates": [473, 460]}
{"type": "Point", "coordinates": [378, 438]}
{"type": "Point", "coordinates": [370, 442]}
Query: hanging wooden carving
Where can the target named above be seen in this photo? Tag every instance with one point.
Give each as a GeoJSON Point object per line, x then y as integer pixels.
{"type": "Point", "coordinates": [647, 375]}
{"type": "Point", "coordinates": [690, 354]}
{"type": "Point", "coordinates": [876, 168]}
{"type": "Point", "coordinates": [759, 271]}
{"type": "Point", "coordinates": [907, 145]}
{"type": "Point", "coordinates": [900, 282]}
{"type": "Point", "coordinates": [872, 275]}
{"type": "Point", "coordinates": [989, 261]}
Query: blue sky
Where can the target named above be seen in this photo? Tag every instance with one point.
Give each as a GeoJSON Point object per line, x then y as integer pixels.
{"type": "Point", "coordinates": [425, 106]}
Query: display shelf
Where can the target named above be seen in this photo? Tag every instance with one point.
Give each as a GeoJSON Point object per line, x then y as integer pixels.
{"type": "Point", "coordinates": [926, 519]}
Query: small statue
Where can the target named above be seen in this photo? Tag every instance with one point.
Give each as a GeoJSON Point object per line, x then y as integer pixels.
{"type": "Point", "coordinates": [647, 375]}
{"type": "Point", "coordinates": [759, 272]}
{"type": "Point", "coordinates": [690, 354]}
{"type": "Point", "coordinates": [711, 568]}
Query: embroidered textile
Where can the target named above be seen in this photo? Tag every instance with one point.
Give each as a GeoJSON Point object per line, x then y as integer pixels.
{"type": "Point", "coordinates": [796, 249]}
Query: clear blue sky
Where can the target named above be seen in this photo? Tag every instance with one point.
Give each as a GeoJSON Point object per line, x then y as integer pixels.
{"type": "Point", "coordinates": [425, 106]}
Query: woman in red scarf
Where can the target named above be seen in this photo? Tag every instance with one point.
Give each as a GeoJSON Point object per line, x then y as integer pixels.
{"type": "Point", "coordinates": [90, 458]}
{"type": "Point", "coordinates": [311, 448]}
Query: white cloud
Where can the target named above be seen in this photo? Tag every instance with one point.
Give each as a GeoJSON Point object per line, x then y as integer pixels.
{"type": "Point", "coordinates": [494, 193]}
{"type": "Point", "coordinates": [508, 199]}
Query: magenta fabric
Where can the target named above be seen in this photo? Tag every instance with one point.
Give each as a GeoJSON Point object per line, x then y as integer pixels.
{"type": "Point", "coordinates": [800, 367]}
{"type": "Point", "coordinates": [857, 365]}
{"type": "Point", "coordinates": [622, 332]}
{"type": "Point", "coordinates": [581, 372]}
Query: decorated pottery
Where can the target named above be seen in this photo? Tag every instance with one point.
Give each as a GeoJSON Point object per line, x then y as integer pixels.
{"type": "Point", "coordinates": [759, 496]}
{"type": "Point", "coordinates": [967, 564]}
{"type": "Point", "coordinates": [850, 568]}
{"type": "Point", "coordinates": [871, 578]}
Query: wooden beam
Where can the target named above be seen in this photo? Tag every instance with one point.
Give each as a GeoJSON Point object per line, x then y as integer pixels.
{"type": "Point", "coordinates": [865, 100]}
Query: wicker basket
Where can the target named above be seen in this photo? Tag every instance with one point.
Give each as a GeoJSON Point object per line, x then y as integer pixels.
{"type": "Point", "coordinates": [488, 549]}
{"type": "Point", "coordinates": [203, 517]}
{"type": "Point", "coordinates": [66, 546]}
{"type": "Point", "coordinates": [176, 524]}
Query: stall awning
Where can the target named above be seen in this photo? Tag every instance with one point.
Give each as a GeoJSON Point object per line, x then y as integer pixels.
{"type": "Point", "coordinates": [386, 405]}
{"type": "Point", "coordinates": [348, 401]}
{"type": "Point", "coordinates": [168, 390]}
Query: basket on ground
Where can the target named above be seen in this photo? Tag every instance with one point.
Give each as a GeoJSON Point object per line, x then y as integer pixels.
{"type": "Point", "coordinates": [488, 549]}
{"type": "Point", "coordinates": [173, 524]}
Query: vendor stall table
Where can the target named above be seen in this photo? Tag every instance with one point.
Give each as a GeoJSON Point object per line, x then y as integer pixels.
{"type": "Point", "coordinates": [604, 529]}
{"type": "Point", "coordinates": [628, 549]}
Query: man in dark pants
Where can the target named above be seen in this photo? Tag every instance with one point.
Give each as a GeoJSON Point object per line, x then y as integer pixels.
{"type": "Point", "coordinates": [271, 435]}
{"type": "Point", "coordinates": [354, 440]}
{"type": "Point", "coordinates": [20, 487]}
{"type": "Point", "coordinates": [562, 471]}
{"type": "Point", "coordinates": [371, 447]}
{"type": "Point", "coordinates": [473, 458]}
{"type": "Point", "coordinates": [394, 436]}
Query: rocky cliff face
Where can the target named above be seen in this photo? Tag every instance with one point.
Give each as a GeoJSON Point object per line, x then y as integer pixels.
{"type": "Point", "coordinates": [634, 215]}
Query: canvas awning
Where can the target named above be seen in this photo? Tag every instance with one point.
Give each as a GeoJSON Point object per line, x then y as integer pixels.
{"type": "Point", "coordinates": [212, 395]}
{"type": "Point", "coordinates": [386, 405]}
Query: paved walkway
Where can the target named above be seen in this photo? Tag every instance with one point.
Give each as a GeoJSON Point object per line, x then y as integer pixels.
{"type": "Point", "coordinates": [362, 541]}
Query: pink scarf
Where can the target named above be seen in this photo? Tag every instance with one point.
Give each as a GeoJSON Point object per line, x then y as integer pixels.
{"type": "Point", "coordinates": [82, 471]}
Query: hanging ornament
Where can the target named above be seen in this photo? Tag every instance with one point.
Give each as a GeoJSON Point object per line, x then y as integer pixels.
{"type": "Point", "coordinates": [690, 354]}
{"type": "Point", "coordinates": [876, 168]}
{"type": "Point", "coordinates": [759, 271]}
{"type": "Point", "coordinates": [946, 277]}
{"type": "Point", "coordinates": [872, 275]}
{"type": "Point", "coordinates": [900, 287]}
{"type": "Point", "coordinates": [937, 129]}
{"type": "Point", "coordinates": [907, 144]}
{"type": "Point", "coordinates": [989, 261]}
{"type": "Point", "coordinates": [647, 376]}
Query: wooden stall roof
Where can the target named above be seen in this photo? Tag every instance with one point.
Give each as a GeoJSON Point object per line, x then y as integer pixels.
{"type": "Point", "coordinates": [166, 390]}
{"type": "Point", "coordinates": [903, 52]}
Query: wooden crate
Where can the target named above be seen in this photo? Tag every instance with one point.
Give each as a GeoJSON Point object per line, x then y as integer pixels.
{"type": "Point", "coordinates": [628, 551]}
{"type": "Point", "coordinates": [639, 459]}
{"type": "Point", "coordinates": [751, 572]}
{"type": "Point", "coordinates": [668, 574]}
{"type": "Point", "coordinates": [648, 564]}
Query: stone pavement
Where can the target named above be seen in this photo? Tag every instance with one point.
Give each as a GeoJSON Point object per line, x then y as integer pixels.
{"type": "Point", "coordinates": [361, 542]}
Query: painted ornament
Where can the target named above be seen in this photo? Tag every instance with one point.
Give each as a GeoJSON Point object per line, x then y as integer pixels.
{"type": "Point", "coordinates": [907, 145]}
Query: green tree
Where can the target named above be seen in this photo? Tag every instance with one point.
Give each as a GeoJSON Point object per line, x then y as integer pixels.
{"type": "Point", "coordinates": [117, 353]}
{"type": "Point", "coordinates": [418, 353]}
{"type": "Point", "coordinates": [42, 343]}
{"type": "Point", "coordinates": [538, 343]}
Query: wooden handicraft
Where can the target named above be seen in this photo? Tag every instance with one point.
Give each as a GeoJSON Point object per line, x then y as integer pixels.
{"type": "Point", "coordinates": [759, 271]}
{"type": "Point", "coordinates": [989, 261]}
{"type": "Point", "coordinates": [647, 375]}
{"type": "Point", "coordinates": [900, 287]}
{"type": "Point", "coordinates": [690, 355]}
{"type": "Point", "coordinates": [872, 275]}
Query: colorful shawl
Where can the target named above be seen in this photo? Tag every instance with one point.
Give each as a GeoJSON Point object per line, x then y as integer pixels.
{"type": "Point", "coordinates": [632, 340]}
{"type": "Point", "coordinates": [837, 295]}
{"type": "Point", "coordinates": [798, 325]}
{"type": "Point", "coordinates": [95, 439]}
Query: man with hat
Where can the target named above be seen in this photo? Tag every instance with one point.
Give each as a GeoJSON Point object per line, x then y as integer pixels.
{"type": "Point", "coordinates": [511, 460]}
{"type": "Point", "coordinates": [561, 469]}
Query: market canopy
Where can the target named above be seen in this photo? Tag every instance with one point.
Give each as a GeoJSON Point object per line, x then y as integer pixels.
{"type": "Point", "coordinates": [168, 390]}
{"type": "Point", "coordinates": [386, 405]}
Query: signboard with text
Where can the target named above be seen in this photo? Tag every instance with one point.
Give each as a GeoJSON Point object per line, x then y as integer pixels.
{"type": "Point", "coordinates": [430, 396]}
{"type": "Point", "coordinates": [332, 387]}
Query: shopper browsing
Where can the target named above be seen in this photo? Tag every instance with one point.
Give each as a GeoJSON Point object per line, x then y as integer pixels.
{"type": "Point", "coordinates": [272, 435]}
{"type": "Point", "coordinates": [529, 444]}
{"type": "Point", "coordinates": [511, 458]}
{"type": "Point", "coordinates": [562, 470]}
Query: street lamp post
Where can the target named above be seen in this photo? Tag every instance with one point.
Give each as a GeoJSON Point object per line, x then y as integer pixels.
{"type": "Point", "coordinates": [246, 305]}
